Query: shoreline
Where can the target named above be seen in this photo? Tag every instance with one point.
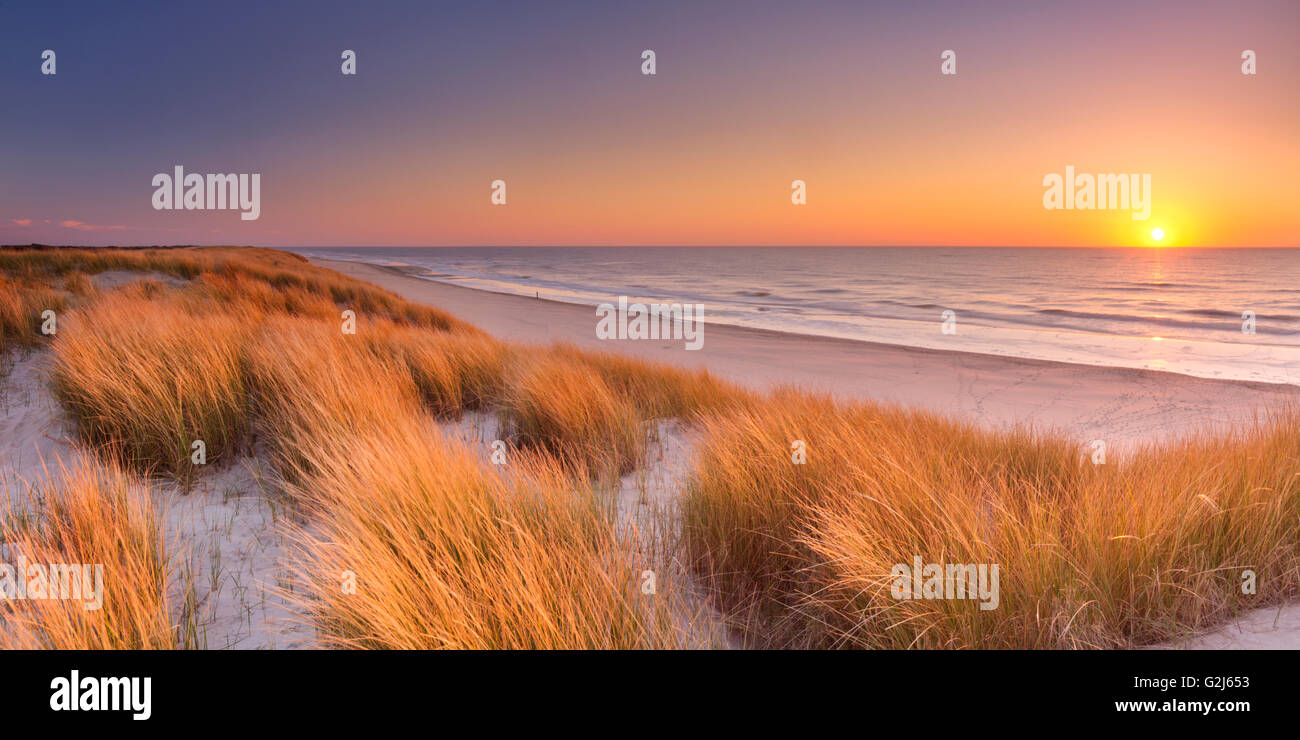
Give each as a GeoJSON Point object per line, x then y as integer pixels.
{"type": "Point", "coordinates": [1134, 329]}
{"type": "Point", "coordinates": [226, 508]}
{"type": "Point", "coordinates": [1123, 406]}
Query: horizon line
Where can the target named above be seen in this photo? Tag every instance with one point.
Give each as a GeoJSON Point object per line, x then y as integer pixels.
{"type": "Point", "coordinates": [644, 246]}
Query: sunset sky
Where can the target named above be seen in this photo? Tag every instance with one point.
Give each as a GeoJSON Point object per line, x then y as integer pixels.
{"type": "Point", "coordinates": [748, 97]}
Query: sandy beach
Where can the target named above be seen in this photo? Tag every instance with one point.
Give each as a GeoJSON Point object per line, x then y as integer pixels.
{"type": "Point", "coordinates": [233, 553]}
{"type": "Point", "coordinates": [1121, 406]}
{"type": "Point", "coordinates": [1125, 407]}
{"type": "Point", "coordinates": [585, 327]}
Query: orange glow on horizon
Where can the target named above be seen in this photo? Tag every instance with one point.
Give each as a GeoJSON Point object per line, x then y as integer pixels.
{"type": "Point", "coordinates": [893, 153]}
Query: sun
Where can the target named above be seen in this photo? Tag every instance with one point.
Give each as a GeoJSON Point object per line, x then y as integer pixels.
{"type": "Point", "coordinates": [1157, 233]}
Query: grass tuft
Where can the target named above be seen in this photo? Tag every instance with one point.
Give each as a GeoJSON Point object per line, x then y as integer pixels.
{"type": "Point", "coordinates": [96, 517]}
{"type": "Point", "coordinates": [146, 379]}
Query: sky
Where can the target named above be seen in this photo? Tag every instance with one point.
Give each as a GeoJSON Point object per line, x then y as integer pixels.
{"type": "Point", "coordinates": [747, 97]}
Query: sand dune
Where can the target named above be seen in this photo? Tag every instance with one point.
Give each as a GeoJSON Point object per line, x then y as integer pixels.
{"type": "Point", "coordinates": [221, 535]}
{"type": "Point", "coordinates": [1120, 406]}
{"type": "Point", "coordinates": [224, 528]}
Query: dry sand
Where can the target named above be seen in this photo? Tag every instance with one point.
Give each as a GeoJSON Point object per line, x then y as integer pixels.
{"type": "Point", "coordinates": [223, 532]}
{"type": "Point", "coordinates": [1120, 406]}
{"type": "Point", "coordinates": [221, 537]}
{"type": "Point", "coordinates": [647, 517]}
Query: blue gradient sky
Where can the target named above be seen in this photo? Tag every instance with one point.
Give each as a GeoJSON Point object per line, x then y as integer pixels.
{"type": "Point", "coordinates": [548, 96]}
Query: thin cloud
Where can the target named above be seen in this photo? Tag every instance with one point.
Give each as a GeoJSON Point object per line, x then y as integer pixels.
{"type": "Point", "coordinates": [22, 221]}
{"type": "Point", "coordinates": [82, 226]}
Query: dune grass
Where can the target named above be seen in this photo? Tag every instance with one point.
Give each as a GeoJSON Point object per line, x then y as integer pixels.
{"type": "Point", "coordinates": [80, 285]}
{"type": "Point", "coordinates": [151, 377]}
{"type": "Point", "coordinates": [148, 379]}
{"type": "Point", "coordinates": [450, 552]}
{"type": "Point", "coordinates": [657, 390]}
{"type": "Point", "coordinates": [279, 279]}
{"type": "Point", "coordinates": [1090, 556]}
{"type": "Point", "coordinates": [41, 263]}
{"type": "Point", "coordinates": [567, 410]}
{"type": "Point", "coordinates": [94, 516]}
{"type": "Point", "coordinates": [445, 552]}
{"type": "Point", "coordinates": [347, 421]}
{"type": "Point", "coordinates": [313, 386]}
{"type": "Point", "coordinates": [454, 371]}
{"type": "Point", "coordinates": [594, 410]}
{"type": "Point", "coordinates": [22, 309]}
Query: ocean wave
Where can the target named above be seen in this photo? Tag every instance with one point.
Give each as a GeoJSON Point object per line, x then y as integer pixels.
{"type": "Point", "coordinates": [1053, 302]}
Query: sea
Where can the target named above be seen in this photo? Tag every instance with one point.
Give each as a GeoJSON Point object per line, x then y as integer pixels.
{"type": "Point", "coordinates": [1215, 313]}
